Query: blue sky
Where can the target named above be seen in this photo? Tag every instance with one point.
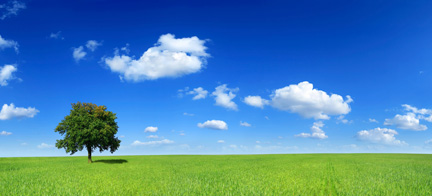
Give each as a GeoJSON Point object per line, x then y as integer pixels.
{"type": "Point", "coordinates": [222, 77]}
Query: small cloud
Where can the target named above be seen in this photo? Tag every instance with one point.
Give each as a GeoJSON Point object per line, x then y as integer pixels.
{"type": "Point", "coordinates": [245, 124]}
{"type": "Point", "coordinates": [258, 142]}
{"type": "Point", "coordinates": [316, 130]}
{"type": "Point", "coordinates": [152, 136]}
{"type": "Point", "coordinates": [150, 129]}
{"type": "Point", "coordinates": [7, 74]}
{"type": "Point", "coordinates": [199, 93]}
{"type": "Point", "coordinates": [214, 124]}
{"type": "Point", "coordinates": [56, 36]}
{"type": "Point", "coordinates": [44, 146]}
{"type": "Point", "coordinates": [78, 53]}
{"type": "Point", "coordinates": [233, 146]}
{"type": "Point", "coordinates": [5, 133]}
{"type": "Point", "coordinates": [164, 141]}
{"type": "Point", "coordinates": [182, 134]}
{"type": "Point", "coordinates": [341, 119]}
{"type": "Point", "coordinates": [372, 120]}
{"type": "Point", "coordinates": [224, 96]}
{"type": "Point", "coordinates": [220, 141]}
{"type": "Point", "coordinates": [92, 45]}
{"type": "Point", "coordinates": [188, 114]}
{"type": "Point", "coordinates": [24, 144]}
{"type": "Point", "coordinates": [4, 43]}
{"type": "Point", "coordinates": [256, 101]}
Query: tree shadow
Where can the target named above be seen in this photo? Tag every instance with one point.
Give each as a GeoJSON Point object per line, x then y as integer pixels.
{"type": "Point", "coordinates": [111, 161]}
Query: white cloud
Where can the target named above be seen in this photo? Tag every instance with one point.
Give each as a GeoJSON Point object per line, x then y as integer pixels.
{"type": "Point", "coordinates": [10, 111]}
{"type": "Point", "coordinates": [56, 35]}
{"type": "Point", "coordinates": [224, 96]}
{"type": "Point", "coordinates": [8, 44]}
{"type": "Point", "coordinates": [342, 119]}
{"type": "Point", "coordinates": [373, 120]}
{"type": "Point", "coordinates": [44, 145]}
{"type": "Point", "coordinates": [11, 8]}
{"type": "Point", "coordinates": [188, 114]}
{"type": "Point", "coordinates": [78, 53]}
{"type": "Point", "coordinates": [220, 141]}
{"type": "Point", "coordinates": [170, 58]}
{"type": "Point", "coordinates": [164, 141]}
{"type": "Point", "coordinates": [256, 101]}
{"type": "Point", "coordinates": [415, 110]}
{"type": "Point", "coordinates": [309, 102]}
{"type": "Point", "coordinates": [245, 124]}
{"type": "Point", "coordinates": [92, 45]}
{"type": "Point", "coordinates": [381, 136]}
{"type": "Point", "coordinates": [214, 124]}
{"type": "Point", "coordinates": [182, 134]}
{"type": "Point", "coordinates": [6, 74]}
{"type": "Point", "coordinates": [316, 130]}
{"type": "Point", "coordinates": [233, 146]}
{"type": "Point", "coordinates": [408, 121]}
{"type": "Point", "coordinates": [199, 93]}
{"type": "Point", "coordinates": [150, 129]}
{"type": "Point", "coordinates": [5, 133]}
{"type": "Point", "coordinates": [152, 136]}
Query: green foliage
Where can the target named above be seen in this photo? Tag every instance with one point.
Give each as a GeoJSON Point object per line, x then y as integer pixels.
{"type": "Point", "coordinates": [89, 126]}
{"type": "Point", "coordinates": [295, 174]}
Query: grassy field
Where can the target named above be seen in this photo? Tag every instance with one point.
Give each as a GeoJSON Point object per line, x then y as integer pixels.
{"type": "Point", "coordinates": [295, 174]}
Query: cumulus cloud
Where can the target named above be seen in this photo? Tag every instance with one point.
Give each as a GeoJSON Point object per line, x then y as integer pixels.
{"type": "Point", "coordinates": [380, 136]}
{"type": "Point", "coordinates": [56, 35]}
{"type": "Point", "coordinates": [170, 58]}
{"type": "Point", "coordinates": [316, 130]}
{"type": "Point", "coordinates": [256, 101]}
{"type": "Point", "coordinates": [199, 93]}
{"type": "Point", "coordinates": [423, 113]}
{"type": "Point", "coordinates": [11, 9]}
{"type": "Point", "coordinates": [10, 111]}
{"type": "Point", "coordinates": [303, 99]}
{"type": "Point", "coordinates": [309, 102]}
{"type": "Point", "coordinates": [245, 124]}
{"type": "Point", "coordinates": [92, 45]}
{"type": "Point", "coordinates": [150, 129]}
{"type": "Point", "coordinates": [220, 141]}
{"type": "Point", "coordinates": [214, 124]}
{"type": "Point", "coordinates": [164, 141]}
{"type": "Point", "coordinates": [408, 121]}
{"type": "Point", "coordinates": [224, 96]}
{"type": "Point", "coordinates": [44, 145]}
{"type": "Point", "coordinates": [6, 74]}
{"type": "Point", "coordinates": [5, 133]}
{"type": "Point", "coordinates": [4, 43]}
{"type": "Point", "coordinates": [78, 53]}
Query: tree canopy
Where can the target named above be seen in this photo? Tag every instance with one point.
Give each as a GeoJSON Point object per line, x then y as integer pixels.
{"type": "Point", "coordinates": [88, 126]}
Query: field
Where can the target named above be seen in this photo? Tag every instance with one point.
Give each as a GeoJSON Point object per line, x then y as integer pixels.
{"type": "Point", "coordinates": [294, 174]}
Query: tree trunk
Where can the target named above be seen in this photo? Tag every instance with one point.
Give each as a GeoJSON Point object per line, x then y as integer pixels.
{"type": "Point", "coordinates": [89, 155]}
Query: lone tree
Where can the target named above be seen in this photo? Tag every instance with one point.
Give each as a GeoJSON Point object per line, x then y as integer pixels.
{"type": "Point", "coordinates": [89, 126]}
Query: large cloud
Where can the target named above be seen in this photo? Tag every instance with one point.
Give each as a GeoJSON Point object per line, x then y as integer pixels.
{"type": "Point", "coordinates": [10, 111]}
{"type": "Point", "coordinates": [169, 58]}
{"type": "Point", "coordinates": [316, 130]}
{"type": "Point", "coordinates": [223, 96]}
{"type": "Point", "coordinates": [8, 44]}
{"type": "Point", "coordinates": [214, 124]}
{"type": "Point", "coordinates": [303, 99]}
{"type": "Point", "coordinates": [380, 136]}
{"type": "Point", "coordinates": [309, 102]}
{"type": "Point", "coordinates": [6, 74]}
{"type": "Point", "coordinates": [408, 121]}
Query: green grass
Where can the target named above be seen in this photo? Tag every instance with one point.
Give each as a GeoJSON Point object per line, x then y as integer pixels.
{"type": "Point", "coordinates": [295, 174]}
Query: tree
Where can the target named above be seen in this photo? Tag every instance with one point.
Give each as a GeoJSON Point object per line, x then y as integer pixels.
{"type": "Point", "coordinates": [89, 126]}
